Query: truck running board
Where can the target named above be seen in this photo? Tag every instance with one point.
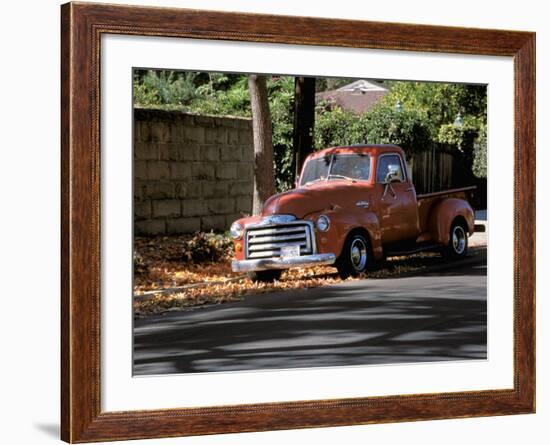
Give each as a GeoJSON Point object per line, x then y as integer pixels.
{"type": "Point", "coordinates": [416, 249]}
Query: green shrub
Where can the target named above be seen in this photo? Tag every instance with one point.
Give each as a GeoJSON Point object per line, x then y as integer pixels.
{"type": "Point", "coordinates": [382, 125]}
{"type": "Point", "coordinates": [204, 247]}
{"type": "Point", "coordinates": [428, 110]}
{"type": "Point", "coordinates": [461, 137]}
{"type": "Point", "coordinates": [164, 88]}
{"type": "Point", "coordinates": [479, 166]}
{"type": "Point", "coordinates": [440, 102]}
{"type": "Point", "coordinates": [409, 129]}
{"type": "Point", "coordinates": [336, 126]}
{"type": "Point", "coordinates": [221, 98]}
{"type": "Point", "coordinates": [281, 104]}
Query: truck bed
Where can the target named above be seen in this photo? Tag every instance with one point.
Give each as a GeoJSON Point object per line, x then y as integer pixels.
{"type": "Point", "coordinates": [427, 201]}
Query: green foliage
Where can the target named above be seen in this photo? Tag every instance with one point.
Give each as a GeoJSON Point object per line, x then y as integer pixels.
{"type": "Point", "coordinates": [337, 127]}
{"type": "Point", "coordinates": [203, 93]}
{"type": "Point", "coordinates": [281, 102]}
{"type": "Point", "coordinates": [383, 125]}
{"type": "Point", "coordinates": [440, 102]}
{"type": "Point", "coordinates": [427, 114]}
{"type": "Point", "coordinates": [222, 96]}
{"type": "Point", "coordinates": [205, 247]}
{"type": "Point", "coordinates": [163, 88]}
{"type": "Point", "coordinates": [407, 128]}
{"type": "Point", "coordinates": [479, 166]}
{"type": "Point", "coordinates": [461, 137]}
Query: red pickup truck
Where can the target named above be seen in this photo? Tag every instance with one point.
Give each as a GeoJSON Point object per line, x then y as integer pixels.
{"type": "Point", "coordinates": [352, 207]}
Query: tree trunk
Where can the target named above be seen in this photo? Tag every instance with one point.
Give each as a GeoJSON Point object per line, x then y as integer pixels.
{"type": "Point", "coordinates": [304, 120]}
{"type": "Point", "coordinates": [264, 178]}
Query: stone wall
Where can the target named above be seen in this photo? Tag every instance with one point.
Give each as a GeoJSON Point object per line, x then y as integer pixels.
{"type": "Point", "coordinates": [191, 172]}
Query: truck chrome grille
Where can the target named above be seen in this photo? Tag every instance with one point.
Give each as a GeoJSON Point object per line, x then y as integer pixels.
{"type": "Point", "coordinates": [266, 241]}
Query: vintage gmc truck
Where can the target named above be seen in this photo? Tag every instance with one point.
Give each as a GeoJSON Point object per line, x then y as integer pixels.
{"type": "Point", "coordinates": [352, 207]}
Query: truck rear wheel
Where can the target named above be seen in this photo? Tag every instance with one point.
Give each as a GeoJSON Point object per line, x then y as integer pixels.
{"type": "Point", "coordinates": [458, 240]}
{"type": "Point", "coordinates": [265, 276]}
{"type": "Point", "coordinates": [355, 257]}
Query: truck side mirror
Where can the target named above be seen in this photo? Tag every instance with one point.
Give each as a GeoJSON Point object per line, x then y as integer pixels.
{"type": "Point", "coordinates": [392, 175]}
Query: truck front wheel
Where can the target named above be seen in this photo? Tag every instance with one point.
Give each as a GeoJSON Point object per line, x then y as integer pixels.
{"type": "Point", "coordinates": [355, 256]}
{"type": "Point", "coordinates": [265, 276]}
{"type": "Point", "coordinates": [458, 240]}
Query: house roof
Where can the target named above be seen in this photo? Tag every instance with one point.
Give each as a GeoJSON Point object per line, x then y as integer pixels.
{"type": "Point", "coordinates": [358, 97]}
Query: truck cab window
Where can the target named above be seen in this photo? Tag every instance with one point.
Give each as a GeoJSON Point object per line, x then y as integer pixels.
{"type": "Point", "coordinates": [338, 166]}
{"type": "Point", "coordinates": [386, 164]}
{"type": "Point", "coordinates": [316, 170]}
{"type": "Point", "coordinates": [351, 166]}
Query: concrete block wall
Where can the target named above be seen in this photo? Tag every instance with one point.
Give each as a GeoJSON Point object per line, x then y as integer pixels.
{"type": "Point", "coordinates": [191, 172]}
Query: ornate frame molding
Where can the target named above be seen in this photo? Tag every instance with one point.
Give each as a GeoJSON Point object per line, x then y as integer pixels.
{"type": "Point", "coordinates": [81, 28]}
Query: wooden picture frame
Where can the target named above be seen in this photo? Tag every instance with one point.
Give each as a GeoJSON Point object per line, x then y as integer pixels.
{"type": "Point", "coordinates": [82, 26]}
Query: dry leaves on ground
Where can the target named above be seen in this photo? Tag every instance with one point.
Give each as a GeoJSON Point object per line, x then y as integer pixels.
{"type": "Point", "coordinates": [164, 266]}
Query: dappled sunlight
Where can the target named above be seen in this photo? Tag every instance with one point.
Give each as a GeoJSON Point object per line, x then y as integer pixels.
{"type": "Point", "coordinates": [213, 282]}
{"type": "Point", "coordinates": [360, 322]}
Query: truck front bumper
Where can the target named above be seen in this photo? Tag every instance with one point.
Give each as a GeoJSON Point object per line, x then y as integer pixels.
{"type": "Point", "coordinates": [319, 259]}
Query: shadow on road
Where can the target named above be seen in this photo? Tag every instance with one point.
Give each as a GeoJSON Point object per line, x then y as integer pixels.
{"type": "Point", "coordinates": [479, 270]}
{"type": "Point", "coordinates": [415, 319]}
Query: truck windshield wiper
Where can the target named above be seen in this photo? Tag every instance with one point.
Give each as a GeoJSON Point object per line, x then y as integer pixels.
{"type": "Point", "coordinates": [341, 177]}
{"type": "Point", "coordinates": [314, 180]}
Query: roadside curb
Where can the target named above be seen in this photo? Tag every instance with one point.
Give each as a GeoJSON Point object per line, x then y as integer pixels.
{"type": "Point", "coordinates": [477, 259]}
{"type": "Point", "coordinates": [472, 261]}
{"type": "Point", "coordinates": [173, 290]}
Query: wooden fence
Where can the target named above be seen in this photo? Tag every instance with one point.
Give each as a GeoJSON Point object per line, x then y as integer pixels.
{"type": "Point", "coordinates": [440, 167]}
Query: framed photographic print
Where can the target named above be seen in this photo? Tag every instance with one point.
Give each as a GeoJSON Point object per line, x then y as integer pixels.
{"type": "Point", "coordinates": [277, 222]}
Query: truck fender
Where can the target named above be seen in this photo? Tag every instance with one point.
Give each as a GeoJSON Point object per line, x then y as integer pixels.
{"type": "Point", "coordinates": [347, 222]}
{"type": "Point", "coordinates": [444, 213]}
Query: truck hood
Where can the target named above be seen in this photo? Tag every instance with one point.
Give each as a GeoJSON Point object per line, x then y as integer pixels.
{"type": "Point", "coordinates": [303, 201]}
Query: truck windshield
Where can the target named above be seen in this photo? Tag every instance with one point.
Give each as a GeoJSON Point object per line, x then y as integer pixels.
{"type": "Point", "coordinates": [338, 166]}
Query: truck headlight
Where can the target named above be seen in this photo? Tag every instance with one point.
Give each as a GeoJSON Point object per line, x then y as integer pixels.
{"type": "Point", "coordinates": [236, 230]}
{"type": "Point", "coordinates": [323, 223]}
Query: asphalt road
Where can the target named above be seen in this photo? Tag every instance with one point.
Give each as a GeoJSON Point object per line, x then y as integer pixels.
{"type": "Point", "coordinates": [437, 317]}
